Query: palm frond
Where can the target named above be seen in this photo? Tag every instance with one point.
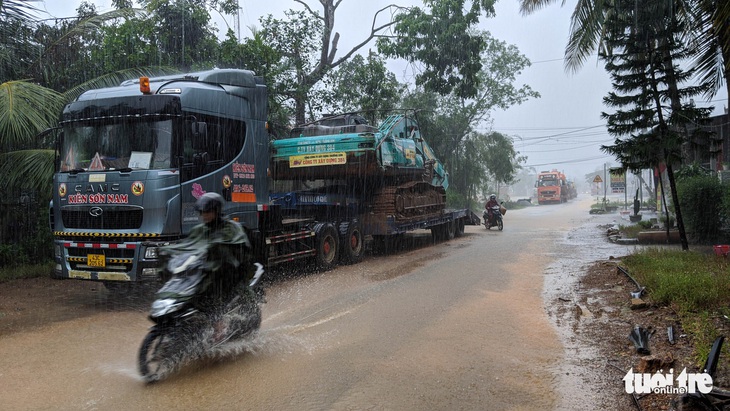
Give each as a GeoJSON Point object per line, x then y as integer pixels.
{"type": "Point", "coordinates": [27, 169]}
{"type": "Point", "coordinates": [586, 30]}
{"type": "Point", "coordinates": [91, 25]}
{"type": "Point", "coordinates": [27, 109]}
{"type": "Point", "coordinates": [18, 9]}
{"type": "Point", "coordinates": [530, 6]}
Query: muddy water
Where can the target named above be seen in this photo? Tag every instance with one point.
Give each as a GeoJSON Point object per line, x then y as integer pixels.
{"type": "Point", "coordinates": [458, 325]}
{"type": "Point", "coordinates": [583, 369]}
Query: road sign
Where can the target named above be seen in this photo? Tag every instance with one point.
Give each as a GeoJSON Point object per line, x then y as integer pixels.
{"type": "Point", "coordinates": [597, 179]}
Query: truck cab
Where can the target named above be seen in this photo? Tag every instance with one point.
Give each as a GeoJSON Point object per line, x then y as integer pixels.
{"type": "Point", "coordinates": [133, 159]}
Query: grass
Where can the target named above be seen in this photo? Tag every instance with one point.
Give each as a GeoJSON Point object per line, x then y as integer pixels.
{"type": "Point", "coordinates": [25, 271]}
{"type": "Point", "coordinates": [696, 285]}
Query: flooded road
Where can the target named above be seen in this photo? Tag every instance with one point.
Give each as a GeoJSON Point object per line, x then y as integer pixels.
{"type": "Point", "coordinates": [457, 325]}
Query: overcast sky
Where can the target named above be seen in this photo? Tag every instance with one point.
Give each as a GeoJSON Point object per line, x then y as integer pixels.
{"type": "Point", "coordinates": [563, 129]}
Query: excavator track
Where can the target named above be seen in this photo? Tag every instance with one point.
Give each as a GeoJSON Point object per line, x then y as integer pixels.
{"type": "Point", "coordinates": [410, 201]}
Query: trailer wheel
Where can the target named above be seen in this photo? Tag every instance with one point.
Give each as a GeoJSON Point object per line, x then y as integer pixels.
{"type": "Point", "coordinates": [327, 246]}
{"type": "Point", "coordinates": [459, 227]}
{"type": "Point", "coordinates": [450, 230]}
{"type": "Point", "coordinates": [351, 241]}
{"type": "Point", "coordinates": [439, 233]}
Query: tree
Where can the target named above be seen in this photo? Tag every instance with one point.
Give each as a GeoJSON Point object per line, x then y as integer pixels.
{"type": "Point", "coordinates": [707, 25]}
{"type": "Point", "coordinates": [17, 45]}
{"type": "Point", "coordinates": [713, 28]}
{"type": "Point", "coordinates": [182, 33]}
{"type": "Point", "coordinates": [646, 44]}
{"type": "Point", "coordinates": [366, 86]}
{"type": "Point", "coordinates": [256, 54]}
{"type": "Point", "coordinates": [442, 39]}
{"type": "Point", "coordinates": [310, 58]}
{"type": "Point", "coordinates": [300, 70]}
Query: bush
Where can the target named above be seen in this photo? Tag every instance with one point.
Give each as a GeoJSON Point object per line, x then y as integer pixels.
{"type": "Point", "coordinates": [12, 255]}
{"type": "Point", "coordinates": [695, 285]}
{"type": "Point", "coordinates": [692, 281]}
{"type": "Point", "coordinates": [701, 198]}
{"type": "Point", "coordinates": [25, 271]}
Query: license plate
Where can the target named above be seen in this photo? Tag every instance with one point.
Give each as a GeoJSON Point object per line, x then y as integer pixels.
{"type": "Point", "coordinates": [96, 260]}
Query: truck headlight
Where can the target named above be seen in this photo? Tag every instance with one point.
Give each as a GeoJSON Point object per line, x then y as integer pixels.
{"type": "Point", "coordinates": [57, 251]}
{"type": "Point", "coordinates": [150, 253]}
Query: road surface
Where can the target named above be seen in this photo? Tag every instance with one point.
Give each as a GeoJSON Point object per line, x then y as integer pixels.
{"type": "Point", "coordinates": [459, 325]}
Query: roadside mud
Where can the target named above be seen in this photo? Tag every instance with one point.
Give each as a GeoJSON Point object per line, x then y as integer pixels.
{"type": "Point", "coordinates": [589, 302]}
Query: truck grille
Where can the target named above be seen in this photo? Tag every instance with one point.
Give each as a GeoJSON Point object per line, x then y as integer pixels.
{"type": "Point", "coordinates": [119, 258]}
{"type": "Point", "coordinates": [110, 219]}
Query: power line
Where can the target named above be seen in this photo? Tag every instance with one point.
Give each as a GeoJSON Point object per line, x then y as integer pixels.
{"type": "Point", "coordinates": [568, 161]}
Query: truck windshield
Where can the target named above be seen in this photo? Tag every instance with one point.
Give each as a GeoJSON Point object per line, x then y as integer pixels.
{"type": "Point", "coordinates": [107, 146]}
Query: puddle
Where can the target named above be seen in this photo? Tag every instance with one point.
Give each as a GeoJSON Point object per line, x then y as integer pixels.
{"type": "Point", "coordinates": [578, 250]}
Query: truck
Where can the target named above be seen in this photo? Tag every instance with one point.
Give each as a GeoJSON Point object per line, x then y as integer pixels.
{"type": "Point", "coordinates": [552, 187]}
{"type": "Point", "coordinates": [133, 159]}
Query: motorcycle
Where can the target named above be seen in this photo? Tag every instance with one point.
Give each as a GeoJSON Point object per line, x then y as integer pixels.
{"type": "Point", "coordinates": [495, 220]}
{"type": "Point", "coordinates": [182, 332]}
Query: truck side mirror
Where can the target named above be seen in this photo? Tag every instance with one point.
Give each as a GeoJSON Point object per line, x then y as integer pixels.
{"type": "Point", "coordinates": [199, 135]}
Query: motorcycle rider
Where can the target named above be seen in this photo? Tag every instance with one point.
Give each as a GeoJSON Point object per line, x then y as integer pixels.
{"type": "Point", "coordinates": [228, 251]}
{"type": "Point", "coordinates": [488, 206]}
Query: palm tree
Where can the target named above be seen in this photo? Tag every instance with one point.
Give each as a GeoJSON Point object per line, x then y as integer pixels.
{"type": "Point", "coordinates": [27, 108]}
{"type": "Point", "coordinates": [708, 26]}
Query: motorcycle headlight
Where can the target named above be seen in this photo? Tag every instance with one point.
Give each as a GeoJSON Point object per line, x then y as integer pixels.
{"type": "Point", "coordinates": [165, 306]}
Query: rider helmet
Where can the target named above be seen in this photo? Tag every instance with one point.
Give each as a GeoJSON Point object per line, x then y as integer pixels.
{"type": "Point", "coordinates": [492, 197]}
{"type": "Point", "coordinates": [210, 202]}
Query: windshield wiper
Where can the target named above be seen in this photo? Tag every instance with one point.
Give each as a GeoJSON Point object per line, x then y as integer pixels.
{"type": "Point", "coordinates": [76, 171]}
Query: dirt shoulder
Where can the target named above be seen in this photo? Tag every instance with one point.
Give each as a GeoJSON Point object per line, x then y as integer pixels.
{"type": "Point", "coordinates": [602, 317]}
{"type": "Point", "coordinates": [31, 303]}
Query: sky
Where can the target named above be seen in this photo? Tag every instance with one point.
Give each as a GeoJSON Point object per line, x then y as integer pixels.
{"type": "Point", "coordinates": [560, 130]}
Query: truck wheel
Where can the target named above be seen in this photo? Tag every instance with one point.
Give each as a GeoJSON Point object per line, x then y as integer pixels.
{"type": "Point", "coordinates": [327, 245]}
{"type": "Point", "coordinates": [351, 241]}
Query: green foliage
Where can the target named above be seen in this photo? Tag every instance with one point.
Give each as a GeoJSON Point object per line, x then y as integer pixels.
{"type": "Point", "coordinates": [24, 271]}
{"type": "Point", "coordinates": [693, 281]}
{"type": "Point", "coordinates": [300, 55]}
{"type": "Point", "coordinates": [700, 198]}
{"type": "Point", "coordinates": [725, 206]}
{"type": "Point", "coordinates": [11, 255]}
{"type": "Point", "coordinates": [644, 224]}
{"type": "Point", "coordinates": [630, 231]}
{"type": "Point", "coordinates": [26, 109]}
{"type": "Point", "coordinates": [182, 33]}
{"type": "Point", "coordinates": [691, 171]}
{"type": "Point", "coordinates": [428, 36]}
{"type": "Point", "coordinates": [366, 86]}
{"type": "Point", "coordinates": [24, 231]}
{"type": "Point", "coordinates": [696, 286]}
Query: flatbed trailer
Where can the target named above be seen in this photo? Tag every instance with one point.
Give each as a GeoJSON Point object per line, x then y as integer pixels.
{"type": "Point", "coordinates": [133, 159]}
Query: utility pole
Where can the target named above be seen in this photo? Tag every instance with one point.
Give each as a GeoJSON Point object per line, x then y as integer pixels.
{"type": "Point", "coordinates": [605, 183]}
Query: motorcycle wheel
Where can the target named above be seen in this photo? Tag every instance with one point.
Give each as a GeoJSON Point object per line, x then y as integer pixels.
{"type": "Point", "coordinates": [252, 320]}
{"type": "Point", "coordinates": [500, 225]}
{"type": "Point", "coordinates": [151, 356]}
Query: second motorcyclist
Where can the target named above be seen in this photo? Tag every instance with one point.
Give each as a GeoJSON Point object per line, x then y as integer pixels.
{"type": "Point", "coordinates": [489, 206]}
